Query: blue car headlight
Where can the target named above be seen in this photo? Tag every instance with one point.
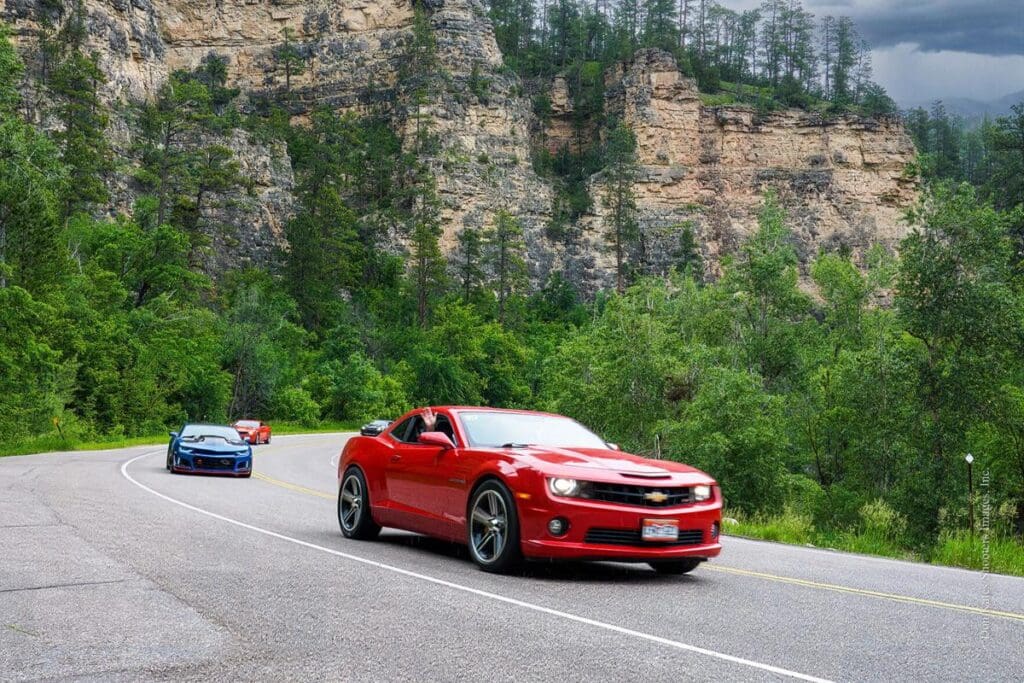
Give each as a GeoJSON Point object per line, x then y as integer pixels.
{"type": "Point", "coordinates": [181, 450]}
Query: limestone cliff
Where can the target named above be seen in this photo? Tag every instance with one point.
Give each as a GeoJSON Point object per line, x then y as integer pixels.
{"type": "Point", "coordinates": [841, 180]}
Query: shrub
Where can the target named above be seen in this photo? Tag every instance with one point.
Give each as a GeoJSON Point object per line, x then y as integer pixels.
{"type": "Point", "coordinates": [295, 404]}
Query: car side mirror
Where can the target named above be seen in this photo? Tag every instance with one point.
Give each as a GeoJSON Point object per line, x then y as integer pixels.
{"type": "Point", "coordinates": [173, 435]}
{"type": "Point", "coordinates": [614, 446]}
{"type": "Point", "coordinates": [436, 439]}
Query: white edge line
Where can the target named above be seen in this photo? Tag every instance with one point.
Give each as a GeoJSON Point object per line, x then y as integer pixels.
{"type": "Point", "coordinates": [476, 591]}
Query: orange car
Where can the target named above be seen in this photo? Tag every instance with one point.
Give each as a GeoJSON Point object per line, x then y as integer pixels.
{"type": "Point", "coordinates": [253, 431]}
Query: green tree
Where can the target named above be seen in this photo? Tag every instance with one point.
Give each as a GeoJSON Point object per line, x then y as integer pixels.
{"type": "Point", "coordinates": [428, 271]}
{"type": "Point", "coordinates": [955, 299]}
{"type": "Point", "coordinates": [289, 59]}
{"type": "Point", "coordinates": [32, 179]}
{"type": "Point", "coordinates": [621, 228]}
{"type": "Point", "coordinates": [74, 85]}
{"type": "Point", "coordinates": [471, 272]}
{"type": "Point", "coordinates": [771, 308]}
{"type": "Point", "coordinates": [505, 256]}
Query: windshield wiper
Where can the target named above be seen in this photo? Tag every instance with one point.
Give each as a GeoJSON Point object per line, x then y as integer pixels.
{"type": "Point", "coordinates": [513, 444]}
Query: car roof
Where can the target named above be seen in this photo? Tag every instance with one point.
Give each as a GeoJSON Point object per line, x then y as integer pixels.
{"type": "Point", "coordinates": [488, 409]}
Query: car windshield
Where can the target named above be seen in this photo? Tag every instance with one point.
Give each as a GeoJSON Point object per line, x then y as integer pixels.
{"type": "Point", "coordinates": [247, 423]}
{"type": "Point", "coordinates": [203, 432]}
{"type": "Point", "coordinates": [496, 429]}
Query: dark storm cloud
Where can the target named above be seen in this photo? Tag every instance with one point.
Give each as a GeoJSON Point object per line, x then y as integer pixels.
{"type": "Point", "coordinates": [989, 27]}
{"type": "Point", "coordinates": [930, 49]}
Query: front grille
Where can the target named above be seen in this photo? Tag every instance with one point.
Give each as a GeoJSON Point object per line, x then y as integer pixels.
{"type": "Point", "coordinates": [646, 496]}
{"type": "Point", "coordinates": [632, 537]}
{"type": "Point", "coordinates": [214, 463]}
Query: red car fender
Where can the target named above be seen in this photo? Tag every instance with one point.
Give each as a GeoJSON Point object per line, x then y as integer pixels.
{"type": "Point", "coordinates": [524, 482]}
{"type": "Point", "coordinates": [366, 452]}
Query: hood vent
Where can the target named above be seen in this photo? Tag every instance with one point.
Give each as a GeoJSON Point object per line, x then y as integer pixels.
{"type": "Point", "coordinates": [640, 475]}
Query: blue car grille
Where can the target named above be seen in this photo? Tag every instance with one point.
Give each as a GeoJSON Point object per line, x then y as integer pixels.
{"type": "Point", "coordinates": [213, 462]}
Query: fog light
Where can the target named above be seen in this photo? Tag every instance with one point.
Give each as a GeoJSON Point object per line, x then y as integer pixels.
{"type": "Point", "coordinates": [558, 526]}
{"type": "Point", "coordinates": [714, 530]}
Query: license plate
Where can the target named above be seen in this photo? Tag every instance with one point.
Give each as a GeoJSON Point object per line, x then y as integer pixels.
{"type": "Point", "coordinates": [660, 530]}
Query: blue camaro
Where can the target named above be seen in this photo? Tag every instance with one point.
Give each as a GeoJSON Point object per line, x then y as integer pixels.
{"type": "Point", "coordinates": [209, 449]}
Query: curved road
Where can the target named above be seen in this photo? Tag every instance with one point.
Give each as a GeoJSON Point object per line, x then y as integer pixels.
{"type": "Point", "coordinates": [113, 569]}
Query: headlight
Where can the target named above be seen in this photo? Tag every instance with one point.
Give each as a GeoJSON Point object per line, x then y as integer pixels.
{"type": "Point", "coordinates": [564, 487]}
{"type": "Point", "coordinates": [701, 492]}
{"type": "Point", "coordinates": [184, 451]}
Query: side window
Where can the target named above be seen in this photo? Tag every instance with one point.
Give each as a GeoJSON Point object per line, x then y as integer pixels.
{"type": "Point", "coordinates": [400, 432]}
{"type": "Point", "coordinates": [418, 427]}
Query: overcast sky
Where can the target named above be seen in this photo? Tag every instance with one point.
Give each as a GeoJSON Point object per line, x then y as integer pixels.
{"type": "Point", "coordinates": [928, 49]}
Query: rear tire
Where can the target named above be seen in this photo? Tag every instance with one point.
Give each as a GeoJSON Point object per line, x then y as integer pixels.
{"type": "Point", "coordinates": [354, 516]}
{"type": "Point", "coordinates": [493, 529]}
{"type": "Point", "coordinates": [676, 567]}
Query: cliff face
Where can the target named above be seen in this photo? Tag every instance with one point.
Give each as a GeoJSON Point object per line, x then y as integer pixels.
{"type": "Point", "coordinates": [841, 180]}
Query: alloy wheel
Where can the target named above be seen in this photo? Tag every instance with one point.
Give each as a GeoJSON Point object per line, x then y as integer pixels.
{"type": "Point", "coordinates": [489, 526]}
{"type": "Point", "coordinates": [350, 509]}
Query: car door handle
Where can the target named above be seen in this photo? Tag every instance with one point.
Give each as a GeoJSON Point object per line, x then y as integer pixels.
{"type": "Point", "coordinates": [395, 458]}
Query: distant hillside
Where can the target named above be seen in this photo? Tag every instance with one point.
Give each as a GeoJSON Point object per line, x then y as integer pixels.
{"type": "Point", "coordinates": [975, 110]}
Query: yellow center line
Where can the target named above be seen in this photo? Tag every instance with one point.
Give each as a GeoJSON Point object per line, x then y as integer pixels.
{"type": "Point", "coordinates": [806, 583]}
{"type": "Point", "coordinates": [293, 487]}
{"type": "Point", "coordinates": [868, 593]}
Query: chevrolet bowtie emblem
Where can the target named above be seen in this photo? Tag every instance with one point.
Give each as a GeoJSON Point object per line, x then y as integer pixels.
{"type": "Point", "coordinates": [655, 497]}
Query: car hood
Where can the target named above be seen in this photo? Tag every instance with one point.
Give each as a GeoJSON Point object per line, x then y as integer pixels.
{"type": "Point", "coordinates": [216, 446]}
{"type": "Point", "coordinates": [607, 464]}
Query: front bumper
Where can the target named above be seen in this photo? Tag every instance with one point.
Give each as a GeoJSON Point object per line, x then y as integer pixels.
{"type": "Point", "coordinates": [592, 524]}
{"type": "Point", "coordinates": [238, 466]}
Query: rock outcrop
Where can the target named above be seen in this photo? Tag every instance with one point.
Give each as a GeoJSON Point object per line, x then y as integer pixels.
{"type": "Point", "coordinates": [842, 180]}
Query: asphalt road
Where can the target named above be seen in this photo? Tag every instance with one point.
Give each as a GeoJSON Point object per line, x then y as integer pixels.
{"type": "Point", "coordinates": [113, 569]}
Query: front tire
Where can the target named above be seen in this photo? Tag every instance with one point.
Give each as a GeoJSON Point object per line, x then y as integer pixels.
{"type": "Point", "coordinates": [354, 516]}
{"type": "Point", "coordinates": [168, 465]}
{"type": "Point", "coordinates": [493, 529]}
{"type": "Point", "coordinates": [676, 567]}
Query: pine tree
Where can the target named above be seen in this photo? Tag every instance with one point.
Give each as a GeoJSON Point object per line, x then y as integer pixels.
{"type": "Point", "coordinates": [289, 59]}
{"type": "Point", "coordinates": [828, 56]}
{"type": "Point", "coordinates": [428, 272]}
{"type": "Point", "coordinates": [471, 254]}
{"type": "Point", "coordinates": [73, 80]}
{"type": "Point", "coordinates": [506, 247]}
{"type": "Point", "coordinates": [418, 70]}
{"type": "Point", "coordinates": [621, 229]}
{"type": "Point", "coordinates": [32, 179]}
{"type": "Point", "coordinates": [74, 85]}
{"type": "Point", "coordinates": [843, 70]}
{"type": "Point", "coordinates": [659, 24]}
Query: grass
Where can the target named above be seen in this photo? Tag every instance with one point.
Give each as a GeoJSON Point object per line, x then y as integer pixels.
{"type": "Point", "coordinates": [717, 99]}
{"type": "Point", "coordinates": [1005, 556]}
{"type": "Point", "coordinates": [54, 442]}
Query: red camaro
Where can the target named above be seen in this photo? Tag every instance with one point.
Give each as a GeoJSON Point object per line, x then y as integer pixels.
{"type": "Point", "coordinates": [515, 484]}
{"type": "Point", "coordinates": [253, 431]}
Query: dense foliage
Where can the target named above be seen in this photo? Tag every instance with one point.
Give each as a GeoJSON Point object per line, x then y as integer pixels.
{"type": "Point", "coordinates": [850, 415]}
{"type": "Point", "coordinates": [989, 153]}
